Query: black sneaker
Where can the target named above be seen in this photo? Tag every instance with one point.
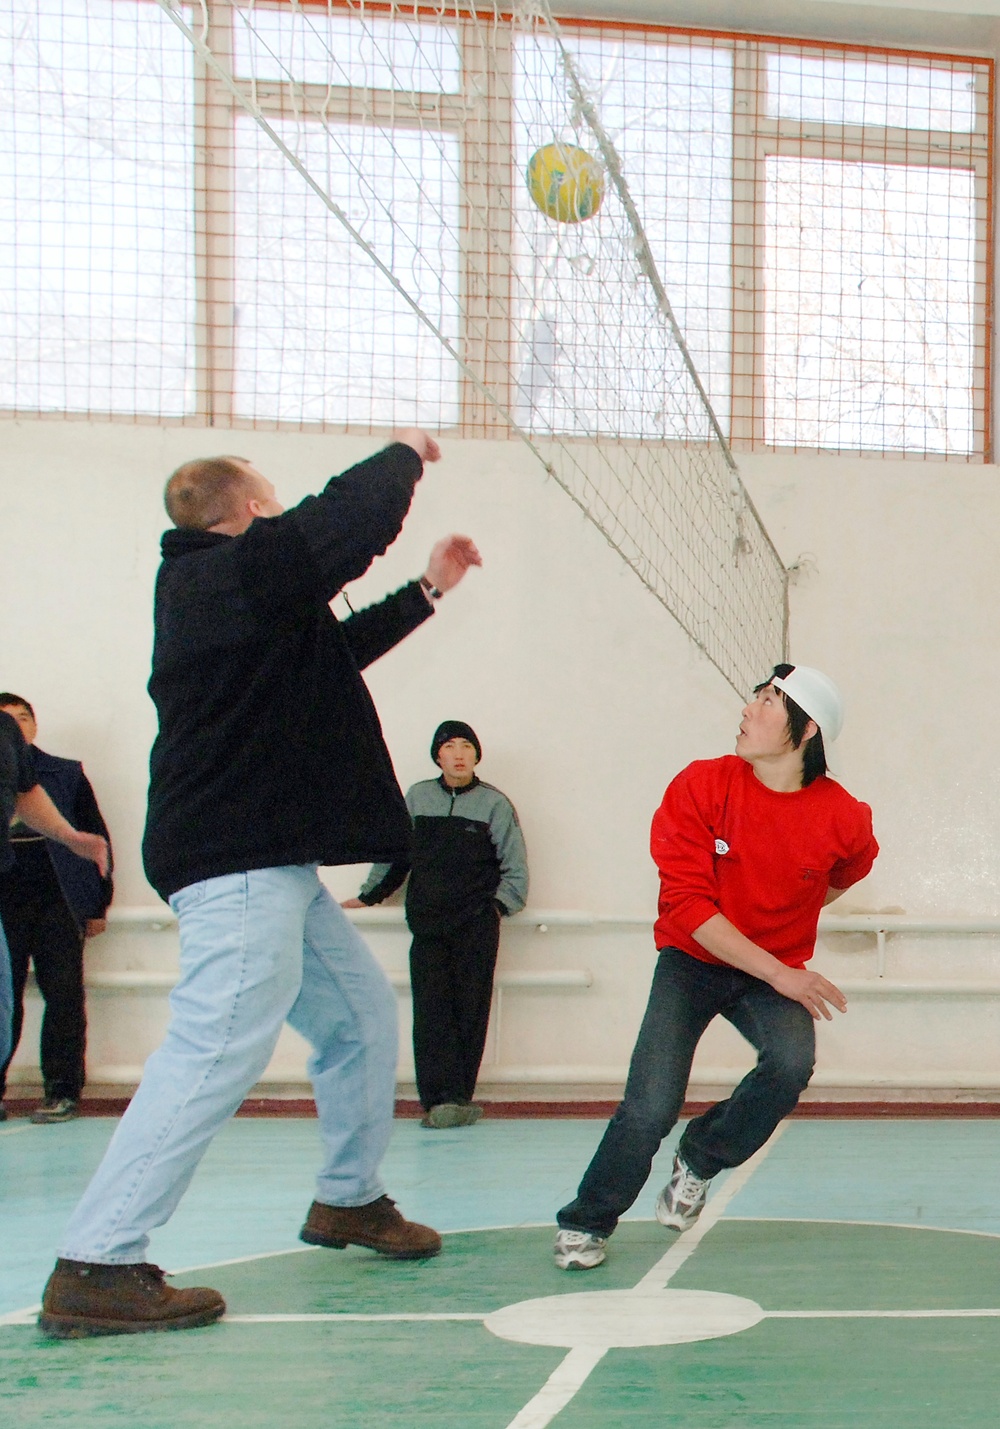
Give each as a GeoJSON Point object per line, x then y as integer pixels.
{"type": "Point", "coordinates": [54, 1109]}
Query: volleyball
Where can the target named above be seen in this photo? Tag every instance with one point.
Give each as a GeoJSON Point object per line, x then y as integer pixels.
{"type": "Point", "coordinates": [565, 182]}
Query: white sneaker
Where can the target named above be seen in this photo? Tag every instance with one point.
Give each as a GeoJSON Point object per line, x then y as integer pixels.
{"type": "Point", "coordinates": [579, 1250]}
{"type": "Point", "coordinates": [682, 1199]}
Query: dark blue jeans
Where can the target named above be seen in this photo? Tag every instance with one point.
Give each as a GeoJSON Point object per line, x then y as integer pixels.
{"type": "Point", "coordinates": [685, 996]}
{"type": "Point", "coordinates": [6, 999]}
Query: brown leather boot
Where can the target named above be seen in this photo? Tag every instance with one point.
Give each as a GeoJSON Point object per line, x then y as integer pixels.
{"type": "Point", "coordinates": [83, 1299]}
{"type": "Point", "coordinates": [379, 1226]}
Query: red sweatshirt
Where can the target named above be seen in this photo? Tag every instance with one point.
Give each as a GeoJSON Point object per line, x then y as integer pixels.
{"type": "Point", "coordinates": [725, 843]}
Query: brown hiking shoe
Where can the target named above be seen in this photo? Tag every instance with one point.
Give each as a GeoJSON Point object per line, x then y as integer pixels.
{"type": "Point", "coordinates": [83, 1299]}
{"type": "Point", "coordinates": [379, 1226]}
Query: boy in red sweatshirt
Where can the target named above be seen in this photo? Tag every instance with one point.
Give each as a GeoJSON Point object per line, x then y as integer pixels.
{"type": "Point", "coordinates": [749, 848]}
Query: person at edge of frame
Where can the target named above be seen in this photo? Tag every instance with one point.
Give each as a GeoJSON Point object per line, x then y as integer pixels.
{"type": "Point", "coordinates": [269, 762]}
{"type": "Point", "coordinates": [22, 797]}
{"type": "Point", "coordinates": [467, 869]}
{"type": "Point", "coordinates": [749, 848]}
{"type": "Point", "coordinates": [51, 902]}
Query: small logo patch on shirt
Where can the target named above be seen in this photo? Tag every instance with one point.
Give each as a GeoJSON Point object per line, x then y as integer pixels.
{"type": "Point", "coordinates": [721, 846]}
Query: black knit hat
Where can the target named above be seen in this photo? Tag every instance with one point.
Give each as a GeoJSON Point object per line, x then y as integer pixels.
{"type": "Point", "coordinates": [455, 729]}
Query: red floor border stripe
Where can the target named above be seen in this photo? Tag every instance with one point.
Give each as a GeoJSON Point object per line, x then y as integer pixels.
{"type": "Point", "coordinates": [600, 1110]}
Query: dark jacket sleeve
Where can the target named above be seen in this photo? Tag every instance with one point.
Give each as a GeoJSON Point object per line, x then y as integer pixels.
{"type": "Point", "coordinates": [382, 881]}
{"type": "Point", "coordinates": [377, 628]}
{"type": "Point", "coordinates": [26, 778]}
{"type": "Point", "coordinates": [88, 818]}
{"type": "Point", "coordinates": [384, 878]}
{"type": "Point", "coordinates": [289, 563]}
{"type": "Point", "coordinates": [357, 516]}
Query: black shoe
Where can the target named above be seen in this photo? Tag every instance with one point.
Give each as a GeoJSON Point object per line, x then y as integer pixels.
{"type": "Point", "coordinates": [54, 1109]}
{"type": "Point", "coordinates": [4, 1113]}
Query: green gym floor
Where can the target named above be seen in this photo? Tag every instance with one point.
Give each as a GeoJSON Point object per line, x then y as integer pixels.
{"type": "Point", "coordinates": [847, 1278]}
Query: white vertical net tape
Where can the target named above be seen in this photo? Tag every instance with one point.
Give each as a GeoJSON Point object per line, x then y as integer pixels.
{"type": "Point", "coordinates": [454, 301]}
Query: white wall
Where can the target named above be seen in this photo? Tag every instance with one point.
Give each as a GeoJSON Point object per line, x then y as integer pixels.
{"type": "Point", "coordinates": [583, 690]}
{"type": "Point", "coordinates": [587, 699]}
{"type": "Point", "coordinates": [899, 598]}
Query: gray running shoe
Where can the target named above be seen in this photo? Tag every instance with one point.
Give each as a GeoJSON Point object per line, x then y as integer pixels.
{"type": "Point", "coordinates": [447, 1115]}
{"type": "Point", "coordinates": [55, 1109]}
{"type": "Point", "coordinates": [579, 1250]}
{"type": "Point", "coordinates": [682, 1199]}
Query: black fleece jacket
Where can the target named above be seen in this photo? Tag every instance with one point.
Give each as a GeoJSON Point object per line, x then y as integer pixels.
{"type": "Point", "coordinates": [269, 750]}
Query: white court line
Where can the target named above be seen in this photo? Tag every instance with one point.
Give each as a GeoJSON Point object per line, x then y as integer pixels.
{"type": "Point", "coordinates": [880, 1314]}
{"type": "Point", "coordinates": [564, 1382]}
{"type": "Point", "coordinates": [878, 1225]}
{"type": "Point", "coordinates": [567, 1376]}
{"type": "Point", "coordinates": [667, 1267]}
{"type": "Point", "coordinates": [337, 1319]}
{"type": "Point", "coordinates": [13, 1130]}
{"type": "Point", "coordinates": [557, 1391]}
{"type": "Point", "coordinates": [245, 1259]}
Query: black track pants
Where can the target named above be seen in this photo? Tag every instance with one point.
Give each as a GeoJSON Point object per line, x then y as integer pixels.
{"type": "Point", "coordinates": [451, 974]}
{"type": "Point", "coordinates": [44, 932]}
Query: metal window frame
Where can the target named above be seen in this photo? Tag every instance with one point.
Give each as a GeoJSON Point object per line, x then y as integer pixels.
{"type": "Point", "coordinates": [482, 117]}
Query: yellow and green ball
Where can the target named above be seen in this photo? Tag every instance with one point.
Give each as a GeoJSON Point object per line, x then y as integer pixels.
{"type": "Point", "coordinates": [565, 182]}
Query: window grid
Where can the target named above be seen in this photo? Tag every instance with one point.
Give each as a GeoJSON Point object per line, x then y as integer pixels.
{"type": "Point", "coordinates": [764, 139]}
{"type": "Point", "coordinates": [759, 139]}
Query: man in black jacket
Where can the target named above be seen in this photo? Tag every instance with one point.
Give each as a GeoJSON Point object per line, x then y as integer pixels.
{"type": "Point", "coordinates": [22, 797]}
{"type": "Point", "coordinates": [50, 902]}
{"type": "Point", "coordinates": [269, 761]}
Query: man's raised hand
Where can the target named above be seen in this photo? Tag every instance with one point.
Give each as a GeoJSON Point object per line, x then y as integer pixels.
{"type": "Point", "coordinates": [425, 446]}
{"type": "Point", "coordinates": [450, 559]}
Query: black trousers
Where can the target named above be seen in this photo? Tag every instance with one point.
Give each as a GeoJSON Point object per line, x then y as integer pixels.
{"type": "Point", "coordinates": [43, 931]}
{"type": "Point", "coordinates": [451, 976]}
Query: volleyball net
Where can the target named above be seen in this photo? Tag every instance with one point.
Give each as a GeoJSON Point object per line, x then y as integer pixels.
{"type": "Point", "coordinates": [362, 250]}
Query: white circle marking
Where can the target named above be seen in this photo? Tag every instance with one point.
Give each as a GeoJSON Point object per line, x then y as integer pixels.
{"type": "Point", "coordinates": [624, 1319]}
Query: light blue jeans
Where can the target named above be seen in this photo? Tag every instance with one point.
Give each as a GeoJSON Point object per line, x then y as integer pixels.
{"type": "Point", "coordinates": [256, 949]}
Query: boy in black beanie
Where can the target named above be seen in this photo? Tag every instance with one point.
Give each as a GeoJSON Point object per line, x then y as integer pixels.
{"type": "Point", "coordinates": [467, 870]}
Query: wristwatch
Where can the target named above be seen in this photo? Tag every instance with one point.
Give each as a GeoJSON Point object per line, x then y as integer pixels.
{"type": "Point", "coordinates": [430, 591]}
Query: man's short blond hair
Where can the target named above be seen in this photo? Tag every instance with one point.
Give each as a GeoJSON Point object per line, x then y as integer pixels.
{"type": "Point", "coordinates": [203, 492]}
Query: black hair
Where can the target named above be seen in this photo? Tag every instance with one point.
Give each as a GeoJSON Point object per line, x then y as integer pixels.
{"type": "Point", "coordinates": [6, 698]}
{"type": "Point", "coordinates": [814, 755]}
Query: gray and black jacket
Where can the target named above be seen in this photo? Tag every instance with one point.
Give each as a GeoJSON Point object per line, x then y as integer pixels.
{"type": "Point", "coordinates": [466, 853]}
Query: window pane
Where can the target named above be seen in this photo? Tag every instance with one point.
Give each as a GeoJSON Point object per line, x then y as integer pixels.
{"type": "Point", "coordinates": [96, 209]}
{"type": "Point", "coordinates": [315, 47]}
{"type": "Point", "coordinates": [869, 306]}
{"type": "Point", "coordinates": [668, 111]}
{"type": "Point", "coordinates": [869, 91]}
{"type": "Point", "coordinates": [321, 333]}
